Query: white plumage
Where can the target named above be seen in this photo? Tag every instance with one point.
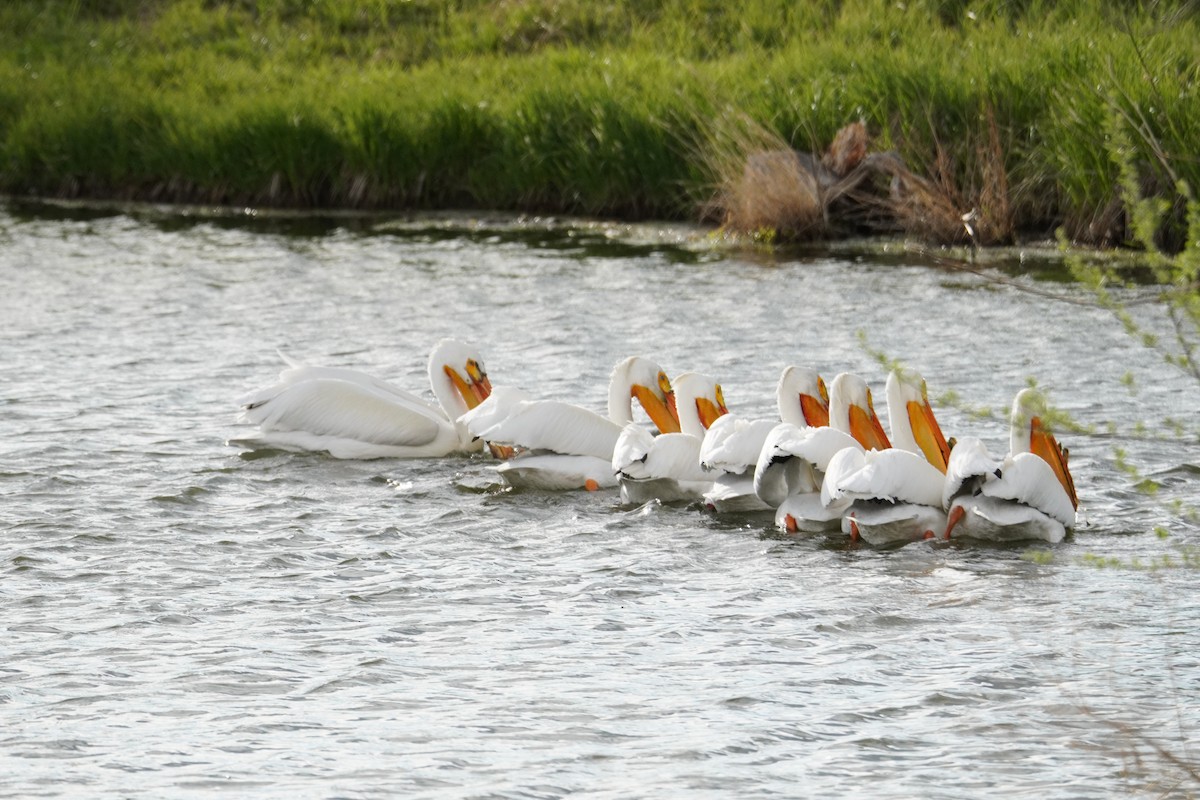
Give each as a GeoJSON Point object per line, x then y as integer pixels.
{"type": "Point", "coordinates": [351, 414]}
{"type": "Point", "coordinates": [732, 446]}
{"type": "Point", "coordinates": [546, 425]}
{"type": "Point", "coordinates": [730, 450]}
{"type": "Point", "coordinates": [792, 464]}
{"type": "Point", "coordinates": [565, 446]}
{"type": "Point", "coordinates": [664, 467]}
{"type": "Point", "coordinates": [1028, 495]}
{"type": "Point", "coordinates": [895, 493]}
{"type": "Point", "coordinates": [667, 467]}
{"type": "Point", "coordinates": [789, 473]}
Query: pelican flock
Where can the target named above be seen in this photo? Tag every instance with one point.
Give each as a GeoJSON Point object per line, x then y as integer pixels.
{"type": "Point", "coordinates": [825, 466]}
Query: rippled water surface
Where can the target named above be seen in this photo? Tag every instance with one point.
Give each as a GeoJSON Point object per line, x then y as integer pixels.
{"type": "Point", "coordinates": [183, 618]}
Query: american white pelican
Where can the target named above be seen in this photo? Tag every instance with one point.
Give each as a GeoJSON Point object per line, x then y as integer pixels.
{"type": "Point", "coordinates": [1028, 495]}
{"type": "Point", "coordinates": [802, 397]}
{"type": "Point", "coordinates": [791, 465]}
{"type": "Point", "coordinates": [667, 467]}
{"type": "Point", "coordinates": [732, 446]}
{"type": "Point", "coordinates": [852, 411]}
{"type": "Point", "coordinates": [729, 452]}
{"type": "Point", "coordinates": [350, 414]}
{"type": "Point", "coordinates": [895, 493]}
{"type": "Point", "coordinates": [565, 446]}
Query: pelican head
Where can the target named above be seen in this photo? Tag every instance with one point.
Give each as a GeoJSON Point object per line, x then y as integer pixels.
{"type": "Point", "coordinates": [639, 378]}
{"type": "Point", "coordinates": [805, 386]}
{"type": "Point", "coordinates": [1029, 434]}
{"type": "Point", "coordinates": [852, 411]}
{"type": "Point", "coordinates": [700, 401]}
{"type": "Point", "coordinates": [914, 428]}
{"type": "Point", "coordinates": [458, 377]}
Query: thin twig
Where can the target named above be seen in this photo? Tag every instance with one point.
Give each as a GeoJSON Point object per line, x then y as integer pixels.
{"type": "Point", "coordinates": [1188, 347]}
{"type": "Point", "coordinates": [965, 266]}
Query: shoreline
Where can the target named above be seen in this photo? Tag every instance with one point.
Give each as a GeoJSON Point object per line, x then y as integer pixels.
{"type": "Point", "coordinates": [694, 236]}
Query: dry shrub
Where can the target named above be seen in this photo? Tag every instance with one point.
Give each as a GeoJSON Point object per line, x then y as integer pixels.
{"type": "Point", "coordinates": [759, 182]}
{"type": "Point", "coordinates": [764, 185]}
{"type": "Point", "coordinates": [930, 208]}
{"type": "Point", "coordinates": [937, 210]}
{"type": "Point", "coordinates": [996, 222]}
{"type": "Point", "coordinates": [776, 192]}
{"type": "Point", "coordinates": [848, 149]}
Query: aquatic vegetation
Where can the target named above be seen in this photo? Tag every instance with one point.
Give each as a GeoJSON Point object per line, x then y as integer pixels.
{"type": "Point", "coordinates": [605, 109]}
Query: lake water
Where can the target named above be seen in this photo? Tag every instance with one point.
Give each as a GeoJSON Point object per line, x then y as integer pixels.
{"type": "Point", "coordinates": [182, 618]}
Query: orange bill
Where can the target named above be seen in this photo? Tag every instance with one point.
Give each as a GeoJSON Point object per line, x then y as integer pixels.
{"type": "Point", "coordinates": [709, 411]}
{"type": "Point", "coordinates": [956, 515]}
{"type": "Point", "coordinates": [470, 391]}
{"type": "Point", "coordinates": [501, 451]}
{"type": "Point", "coordinates": [662, 413]}
{"type": "Point", "coordinates": [928, 434]}
{"type": "Point", "coordinates": [1043, 444]}
{"type": "Point", "coordinates": [475, 372]}
{"type": "Point", "coordinates": [816, 412]}
{"type": "Point", "coordinates": [866, 428]}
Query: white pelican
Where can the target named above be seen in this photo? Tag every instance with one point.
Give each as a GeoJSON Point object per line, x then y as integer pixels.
{"type": "Point", "coordinates": [350, 414]}
{"type": "Point", "coordinates": [791, 465]}
{"type": "Point", "coordinates": [667, 467]}
{"type": "Point", "coordinates": [732, 446]}
{"type": "Point", "coordinates": [565, 446]}
{"type": "Point", "coordinates": [896, 492]}
{"type": "Point", "coordinates": [1028, 495]}
{"type": "Point", "coordinates": [802, 397]}
{"type": "Point", "coordinates": [729, 452]}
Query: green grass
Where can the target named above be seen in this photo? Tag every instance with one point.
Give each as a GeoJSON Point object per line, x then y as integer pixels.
{"type": "Point", "coordinates": [586, 107]}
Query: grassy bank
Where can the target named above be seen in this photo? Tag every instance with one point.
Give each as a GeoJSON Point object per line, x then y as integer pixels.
{"type": "Point", "coordinates": [1024, 111]}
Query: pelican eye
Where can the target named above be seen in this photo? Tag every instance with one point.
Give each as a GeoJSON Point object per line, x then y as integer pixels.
{"type": "Point", "coordinates": [822, 390]}
{"type": "Point", "coordinates": [664, 383]}
{"type": "Point", "coordinates": [720, 396]}
{"type": "Point", "coordinates": [475, 370]}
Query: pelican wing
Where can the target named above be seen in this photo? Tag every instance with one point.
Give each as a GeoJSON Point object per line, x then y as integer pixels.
{"type": "Point", "coordinates": [642, 456]}
{"type": "Point", "coordinates": [793, 460]}
{"type": "Point", "coordinates": [817, 446]}
{"type": "Point", "coordinates": [553, 426]}
{"type": "Point", "coordinates": [676, 455]}
{"type": "Point", "coordinates": [896, 476]}
{"type": "Point", "coordinates": [1027, 478]}
{"type": "Point", "coordinates": [970, 466]}
{"type": "Point", "coordinates": [503, 402]}
{"type": "Point", "coordinates": [844, 464]}
{"type": "Point", "coordinates": [733, 444]}
{"type": "Point", "coordinates": [296, 374]}
{"type": "Point", "coordinates": [355, 410]}
{"type": "Point", "coordinates": [632, 448]}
